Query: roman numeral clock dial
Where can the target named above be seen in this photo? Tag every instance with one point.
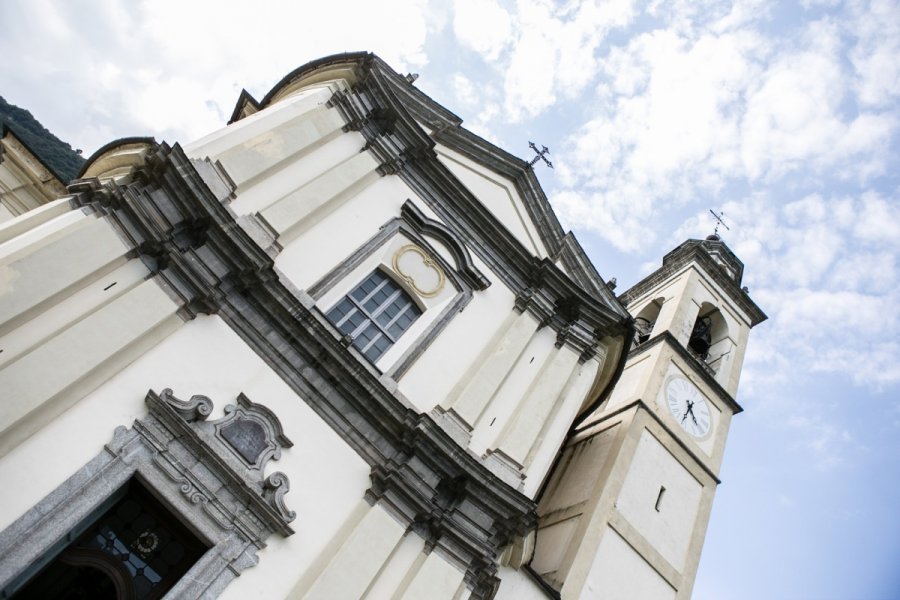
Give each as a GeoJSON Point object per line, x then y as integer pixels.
{"type": "Point", "coordinates": [688, 407]}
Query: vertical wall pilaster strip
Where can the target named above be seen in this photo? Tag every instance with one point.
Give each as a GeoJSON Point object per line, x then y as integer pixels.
{"type": "Point", "coordinates": [544, 449]}
{"type": "Point", "coordinates": [358, 561]}
{"type": "Point", "coordinates": [436, 579]}
{"type": "Point", "coordinates": [55, 375]}
{"type": "Point", "coordinates": [291, 215]}
{"type": "Point", "coordinates": [33, 218]}
{"type": "Point", "coordinates": [523, 429]}
{"type": "Point", "coordinates": [36, 274]}
{"type": "Point", "coordinates": [219, 142]}
{"type": "Point", "coordinates": [493, 366]}
{"type": "Point", "coordinates": [394, 576]}
{"type": "Point", "coordinates": [264, 154]}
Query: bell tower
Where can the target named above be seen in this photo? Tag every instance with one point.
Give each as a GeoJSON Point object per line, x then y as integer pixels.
{"type": "Point", "coordinates": [624, 513]}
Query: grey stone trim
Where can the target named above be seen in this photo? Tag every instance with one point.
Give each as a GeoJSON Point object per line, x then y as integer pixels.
{"type": "Point", "coordinates": [415, 351]}
{"type": "Point", "coordinates": [458, 513]}
{"type": "Point", "coordinates": [246, 105]}
{"type": "Point", "coordinates": [410, 150]}
{"type": "Point", "coordinates": [194, 247]}
{"type": "Point", "coordinates": [549, 590]}
{"type": "Point", "coordinates": [575, 260]}
{"type": "Point", "coordinates": [174, 453]}
{"type": "Point", "coordinates": [695, 363]}
{"type": "Point", "coordinates": [415, 228]}
{"type": "Point", "coordinates": [466, 269]}
{"type": "Point", "coordinates": [449, 132]}
{"type": "Point", "coordinates": [216, 179]}
{"type": "Point", "coordinates": [237, 430]}
{"type": "Point", "coordinates": [698, 251]}
{"type": "Point", "coordinates": [340, 272]}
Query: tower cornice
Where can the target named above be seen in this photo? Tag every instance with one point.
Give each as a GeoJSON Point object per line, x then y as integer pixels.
{"type": "Point", "coordinates": [693, 362]}
{"type": "Point", "coordinates": [698, 252]}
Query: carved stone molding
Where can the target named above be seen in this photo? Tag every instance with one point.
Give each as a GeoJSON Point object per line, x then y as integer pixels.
{"type": "Point", "coordinates": [410, 153]}
{"type": "Point", "coordinates": [429, 227]}
{"type": "Point", "coordinates": [460, 514]}
{"type": "Point", "coordinates": [222, 270]}
{"type": "Point", "coordinates": [711, 256]}
{"type": "Point", "coordinates": [176, 454]}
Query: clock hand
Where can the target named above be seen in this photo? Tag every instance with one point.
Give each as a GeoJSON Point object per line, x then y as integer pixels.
{"type": "Point", "coordinates": [689, 411]}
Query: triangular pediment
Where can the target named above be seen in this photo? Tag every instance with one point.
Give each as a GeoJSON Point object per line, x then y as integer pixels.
{"type": "Point", "coordinates": [422, 130]}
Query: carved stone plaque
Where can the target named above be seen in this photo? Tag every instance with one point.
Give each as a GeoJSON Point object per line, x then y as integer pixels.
{"type": "Point", "coordinates": [247, 437]}
{"type": "Point", "coordinates": [252, 432]}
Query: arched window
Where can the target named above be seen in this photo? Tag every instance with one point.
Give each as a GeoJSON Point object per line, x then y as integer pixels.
{"type": "Point", "coordinates": [645, 320]}
{"type": "Point", "coordinates": [709, 338]}
{"type": "Point", "coordinates": [375, 314]}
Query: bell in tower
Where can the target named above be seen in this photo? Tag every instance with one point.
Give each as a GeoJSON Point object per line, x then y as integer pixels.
{"type": "Point", "coordinates": [701, 337]}
{"type": "Point", "coordinates": [624, 513]}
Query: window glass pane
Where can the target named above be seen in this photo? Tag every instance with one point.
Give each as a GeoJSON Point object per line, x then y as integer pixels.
{"type": "Point", "coordinates": [365, 336]}
{"type": "Point", "coordinates": [392, 309]}
{"type": "Point", "coordinates": [378, 347]}
{"type": "Point", "coordinates": [340, 311]}
{"type": "Point", "coordinates": [346, 316]}
{"type": "Point", "coordinates": [378, 299]}
{"type": "Point", "coordinates": [375, 313]}
{"type": "Point", "coordinates": [137, 543]}
{"type": "Point", "coordinates": [370, 284]}
{"type": "Point", "coordinates": [354, 321]}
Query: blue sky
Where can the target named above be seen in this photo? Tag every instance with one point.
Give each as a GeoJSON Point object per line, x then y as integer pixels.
{"type": "Point", "coordinates": [784, 115]}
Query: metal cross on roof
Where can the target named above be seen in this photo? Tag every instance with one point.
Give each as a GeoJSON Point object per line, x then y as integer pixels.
{"type": "Point", "coordinates": [720, 220]}
{"type": "Point", "coordinates": [540, 155]}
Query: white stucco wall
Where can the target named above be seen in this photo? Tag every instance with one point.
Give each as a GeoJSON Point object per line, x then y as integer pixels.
{"type": "Point", "coordinates": [670, 528]}
{"type": "Point", "coordinates": [318, 250]}
{"type": "Point", "coordinates": [518, 585]}
{"type": "Point", "coordinates": [619, 573]}
{"type": "Point", "coordinates": [498, 194]}
{"type": "Point", "coordinates": [205, 357]}
{"type": "Point", "coordinates": [451, 354]}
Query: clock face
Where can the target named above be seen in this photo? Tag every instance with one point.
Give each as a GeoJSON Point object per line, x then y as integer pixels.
{"type": "Point", "coordinates": [688, 407]}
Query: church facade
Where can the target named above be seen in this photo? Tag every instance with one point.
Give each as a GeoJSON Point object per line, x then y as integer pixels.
{"type": "Point", "coordinates": [342, 348]}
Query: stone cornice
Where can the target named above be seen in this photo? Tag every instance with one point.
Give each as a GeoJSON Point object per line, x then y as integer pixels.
{"type": "Point", "coordinates": [386, 109]}
{"type": "Point", "coordinates": [694, 251]}
{"type": "Point", "coordinates": [372, 108]}
{"type": "Point", "coordinates": [693, 362]}
{"type": "Point", "coordinates": [449, 132]}
{"type": "Point", "coordinates": [699, 460]}
{"type": "Point", "coordinates": [190, 241]}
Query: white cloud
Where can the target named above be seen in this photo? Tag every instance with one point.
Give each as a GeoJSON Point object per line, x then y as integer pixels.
{"type": "Point", "coordinates": [666, 134]}
{"type": "Point", "coordinates": [621, 218]}
{"type": "Point", "coordinates": [823, 267]}
{"type": "Point", "coordinates": [878, 220]}
{"type": "Point", "coordinates": [544, 51]}
{"type": "Point", "coordinates": [172, 69]}
{"type": "Point", "coordinates": [826, 442]}
{"type": "Point", "coordinates": [795, 119]}
{"type": "Point", "coordinates": [483, 26]}
{"type": "Point", "coordinates": [876, 54]}
{"type": "Point", "coordinates": [714, 100]}
{"type": "Point", "coordinates": [465, 90]}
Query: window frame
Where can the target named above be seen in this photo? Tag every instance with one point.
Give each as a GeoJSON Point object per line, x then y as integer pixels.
{"type": "Point", "coordinates": [370, 317]}
{"type": "Point", "coordinates": [157, 451]}
{"type": "Point", "coordinates": [415, 229]}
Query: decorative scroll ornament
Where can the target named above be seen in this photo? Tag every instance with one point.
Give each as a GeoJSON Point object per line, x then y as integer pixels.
{"type": "Point", "coordinates": [243, 442]}
{"type": "Point", "coordinates": [419, 270]}
{"type": "Point", "coordinates": [252, 432]}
